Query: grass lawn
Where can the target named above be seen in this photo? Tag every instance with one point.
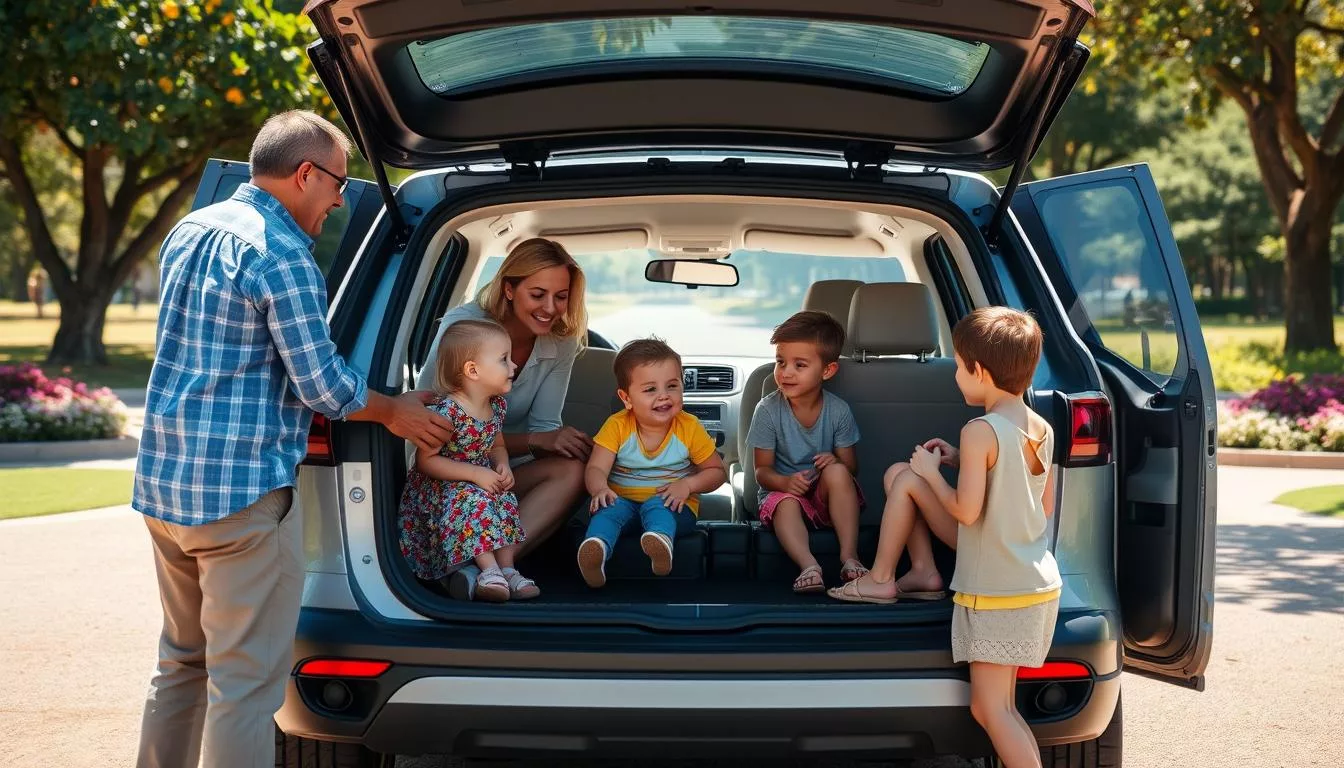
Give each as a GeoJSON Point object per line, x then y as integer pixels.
{"type": "Point", "coordinates": [129, 337]}
{"type": "Point", "coordinates": [1322, 500]}
{"type": "Point", "coordinates": [46, 491]}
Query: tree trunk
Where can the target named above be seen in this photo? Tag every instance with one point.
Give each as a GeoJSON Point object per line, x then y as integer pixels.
{"type": "Point", "coordinates": [1308, 305]}
{"type": "Point", "coordinates": [79, 337]}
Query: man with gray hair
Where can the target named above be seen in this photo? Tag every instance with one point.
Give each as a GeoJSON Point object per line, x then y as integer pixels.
{"type": "Point", "coordinates": [244, 359]}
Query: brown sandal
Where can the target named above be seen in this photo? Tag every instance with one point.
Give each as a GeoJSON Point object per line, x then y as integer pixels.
{"type": "Point", "coordinates": [851, 592]}
{"type": "Point", "coordinates": [800, 587]}
{"type": "Point", "coordinates": [852, 569]}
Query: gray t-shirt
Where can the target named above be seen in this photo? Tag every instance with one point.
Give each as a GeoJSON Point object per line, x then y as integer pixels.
{"type": "Point", "coordinates": [774, 427]}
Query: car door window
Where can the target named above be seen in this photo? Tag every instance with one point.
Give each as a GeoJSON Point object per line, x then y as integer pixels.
{"type": "Point", "coordinates": [1123, 291]}
{"type": "Point", "coordinates": [333, 230]}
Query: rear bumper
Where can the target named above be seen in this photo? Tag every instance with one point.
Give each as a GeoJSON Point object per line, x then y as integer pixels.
{"type": "Point", "coordinates": [910, 701]}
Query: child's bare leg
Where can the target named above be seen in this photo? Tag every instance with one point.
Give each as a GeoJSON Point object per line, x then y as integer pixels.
{"type": "Point", "coordinates": [486, 560]}
{"type": "Point", "coordinates": [994, 710]}
{"type": "Point", "coordinates": [931, 516]}
{"type": "Point", "coordinates": [506, 555]}
{"type": "Point", "coordinates": [791, 530]}
{"type": "Point", "coordinates": [898, 520]}
{"type": "Point", "coordinates": [837, 492]}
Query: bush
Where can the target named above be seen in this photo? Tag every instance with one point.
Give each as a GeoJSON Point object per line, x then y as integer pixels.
{"type": "Point", "coordinates": [1228, 305]}
{"type": "Point", "coordinates": [1294, 414]}
{"type": "Point", "coordinates": [34, 407]}
{"type": "Point", "coordinates": [1252, 365]}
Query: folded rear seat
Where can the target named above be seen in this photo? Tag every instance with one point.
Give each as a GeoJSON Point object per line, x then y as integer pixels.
{"type": "Point", "coordinates": [900, 395]}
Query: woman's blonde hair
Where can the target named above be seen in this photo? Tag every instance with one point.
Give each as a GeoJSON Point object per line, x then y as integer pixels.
{"type": "Point", "coordinates": [526, 259]}
{"type": "Point", "coordinates": [461, 344]}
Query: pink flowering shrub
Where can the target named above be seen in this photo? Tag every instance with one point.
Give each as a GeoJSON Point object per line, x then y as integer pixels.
{"type": "Point", "coordinates": [34, 407]}
{"type": "Point", "coordinates": [1292, 414]}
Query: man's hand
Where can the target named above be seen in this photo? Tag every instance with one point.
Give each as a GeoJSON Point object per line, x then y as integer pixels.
{"type": "Point", "coordinates": [408, 418]}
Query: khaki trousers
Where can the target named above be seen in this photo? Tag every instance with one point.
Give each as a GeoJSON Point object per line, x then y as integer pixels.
{"type": "Point", "coordinates": [230, 591]}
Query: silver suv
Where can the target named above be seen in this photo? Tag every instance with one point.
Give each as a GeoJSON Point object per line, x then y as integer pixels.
{"type": "Point", "coordinates": [830, 152]}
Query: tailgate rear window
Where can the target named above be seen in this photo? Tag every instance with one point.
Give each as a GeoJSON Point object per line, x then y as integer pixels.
{"type": "Point", "coordinates": [526, 53]}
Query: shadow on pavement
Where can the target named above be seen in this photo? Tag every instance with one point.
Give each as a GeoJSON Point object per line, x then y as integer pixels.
{"type": "Point", "coordinates": [1292, 568]}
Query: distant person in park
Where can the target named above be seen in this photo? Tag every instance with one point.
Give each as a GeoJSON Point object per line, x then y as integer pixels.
{"type": "Point", "coordinates": [244, 359]}
{"type": "Point", "coordinates": [37, 289]}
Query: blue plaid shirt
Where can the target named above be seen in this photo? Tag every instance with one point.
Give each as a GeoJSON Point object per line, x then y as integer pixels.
{"type": "Point", "coordinates": [244, 358]}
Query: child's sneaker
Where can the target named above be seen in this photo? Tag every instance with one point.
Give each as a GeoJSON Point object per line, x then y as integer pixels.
{"type": "Point", "coordinates": [659, 549]}
{"type": "Point", "coordinates": [593, 562]}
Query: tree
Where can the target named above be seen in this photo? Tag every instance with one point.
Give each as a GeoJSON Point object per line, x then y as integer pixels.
{"type": "Point", "coordinates": [1106, 120]}
{"type": "Point", "coordinates": [1211, 189]}
{"type": "Point", "coordinates": [138, 97]}
{"type": "Point", "coordinates": [1274, 59]}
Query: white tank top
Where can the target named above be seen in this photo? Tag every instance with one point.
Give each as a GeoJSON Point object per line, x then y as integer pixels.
{"type": "Point", "coordinates": [1006, 551]}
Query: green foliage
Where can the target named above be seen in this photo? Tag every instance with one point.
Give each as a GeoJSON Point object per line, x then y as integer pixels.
{"type": "Point", "coordinates": [136, 96]}
{"type": "Point", "coordinates": [1107, 120]}
{"type": "Point", "coordinates": [169, 82]}
{"type": "Point", "coordinates": [1252, 365]}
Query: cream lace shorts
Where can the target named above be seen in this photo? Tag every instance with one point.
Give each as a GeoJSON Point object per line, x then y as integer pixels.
{"type": "Point", "coordinates": [1018, 637]}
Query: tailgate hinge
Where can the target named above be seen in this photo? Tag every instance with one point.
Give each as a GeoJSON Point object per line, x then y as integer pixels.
{"type": "Point", "coordinates": [1059, 74]}
{"type": "Point", "coordinates": [526, 159]}
{"type": "Point", "coordinates": [865, 160]}
{"type": "Point", "coordinates": [401, 231]}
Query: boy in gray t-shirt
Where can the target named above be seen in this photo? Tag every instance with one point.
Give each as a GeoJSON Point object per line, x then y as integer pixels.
{"type": "Point", "coordinates": [803, 438]}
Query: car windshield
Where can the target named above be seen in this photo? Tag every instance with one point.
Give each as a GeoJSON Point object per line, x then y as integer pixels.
{"type": "Point", "coordinates": [622, 305]}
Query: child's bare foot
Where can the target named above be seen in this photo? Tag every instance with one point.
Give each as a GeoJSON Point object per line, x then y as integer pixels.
{"type": "Point", "coordinates": [920, 581]}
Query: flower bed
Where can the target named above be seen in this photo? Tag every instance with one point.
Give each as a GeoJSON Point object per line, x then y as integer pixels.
{"type": "Point", "coordinates": [36, 408]}
{"type": "Point", "coordinates": [1293, 414]}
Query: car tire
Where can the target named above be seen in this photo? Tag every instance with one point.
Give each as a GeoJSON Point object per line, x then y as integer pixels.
{"type": "Point", "coordinates": [1105, 751]}
{"type": "Point", "coordinates": [298, 752]}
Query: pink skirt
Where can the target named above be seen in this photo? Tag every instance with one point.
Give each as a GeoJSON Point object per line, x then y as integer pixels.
{"type": "Point", "coordinates": [814, 508]}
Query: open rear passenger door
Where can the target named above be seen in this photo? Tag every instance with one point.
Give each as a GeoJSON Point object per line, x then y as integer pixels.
{"type": "Point", "coordinates": [1107, 247]}
{"type": "Point", "coordinates": [342, 233]}
{"type": "Point", "coordinates": [335, 250]}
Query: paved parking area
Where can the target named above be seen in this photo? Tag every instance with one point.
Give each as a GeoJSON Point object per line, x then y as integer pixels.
{"type": "Point", "coordinates": [79, 618]}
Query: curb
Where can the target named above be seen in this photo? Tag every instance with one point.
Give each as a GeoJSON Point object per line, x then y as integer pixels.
{"type": "Point", "coordinates": [69, 450]}
{"type": "Point", "coordinates": [1254, 457]}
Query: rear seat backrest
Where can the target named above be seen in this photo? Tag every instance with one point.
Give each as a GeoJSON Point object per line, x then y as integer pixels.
{"type": "Point", "coordinates": [897, 401]}
{"type": "Point", "coordinates": [591, 398]}
{"type": "Point", "coordinates": [830, 296]}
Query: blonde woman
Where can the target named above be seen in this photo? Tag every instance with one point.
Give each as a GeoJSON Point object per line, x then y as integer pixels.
{"type": "Point", "coordinates": [537, 296]}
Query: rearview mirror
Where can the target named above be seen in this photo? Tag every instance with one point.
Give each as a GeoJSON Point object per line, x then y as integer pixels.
{"type": "Point", "coordinates": [691, 272]}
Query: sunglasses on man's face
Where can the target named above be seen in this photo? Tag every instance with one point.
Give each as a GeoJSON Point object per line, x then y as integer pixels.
{"type": "Point", "coordinates": [341, 181]}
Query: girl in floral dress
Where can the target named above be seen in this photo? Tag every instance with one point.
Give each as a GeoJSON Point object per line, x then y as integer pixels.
{"type": "Point", "coordinates": [457, 507]}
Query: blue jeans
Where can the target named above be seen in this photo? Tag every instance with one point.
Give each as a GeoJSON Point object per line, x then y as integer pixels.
{"type": "Point", "coordinates": [653, 515]}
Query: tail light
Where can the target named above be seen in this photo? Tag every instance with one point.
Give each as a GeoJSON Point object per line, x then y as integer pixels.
{"type": "Point", "coordinates": [319, 442]}
{"type": "Point", "coordinates": [1089, 431]}
{"type": "Point", "coordinates": [1055, 670]}
{"type": "Point", "coordinates": [357, 668]}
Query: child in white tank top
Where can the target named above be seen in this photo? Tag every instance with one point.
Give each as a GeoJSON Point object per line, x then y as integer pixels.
{"type": "Point", "coordinates": [1006, 578]}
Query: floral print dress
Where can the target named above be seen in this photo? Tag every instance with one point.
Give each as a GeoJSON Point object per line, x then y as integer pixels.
{"type": "Point", "coordinates": [446, 524]}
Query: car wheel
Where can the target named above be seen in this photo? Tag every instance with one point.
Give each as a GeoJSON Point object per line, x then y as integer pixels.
{"type": "Point", "coordinates": [1105, 751]}
{"type": "Point", "coordinates": [298, 752]}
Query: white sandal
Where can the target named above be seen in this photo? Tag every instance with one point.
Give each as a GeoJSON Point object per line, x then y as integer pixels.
{"type": "Point", "coordinates": [521, 587]}
{"type": "Point", "coordinates": [492, 587]}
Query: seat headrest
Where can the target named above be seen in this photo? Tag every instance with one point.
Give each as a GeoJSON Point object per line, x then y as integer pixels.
{"type": "Point", "coordinates": [833, 297]}
{"type": "Point", "coordinates": [892, 319]}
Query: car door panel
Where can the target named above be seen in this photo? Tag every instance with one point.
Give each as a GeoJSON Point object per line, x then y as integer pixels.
{"type": "Point", "coordinates": [1106, 245]}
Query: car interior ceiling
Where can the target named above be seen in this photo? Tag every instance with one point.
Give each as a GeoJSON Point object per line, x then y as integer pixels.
{"type": "Point", "coordinates": [730, 558]}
